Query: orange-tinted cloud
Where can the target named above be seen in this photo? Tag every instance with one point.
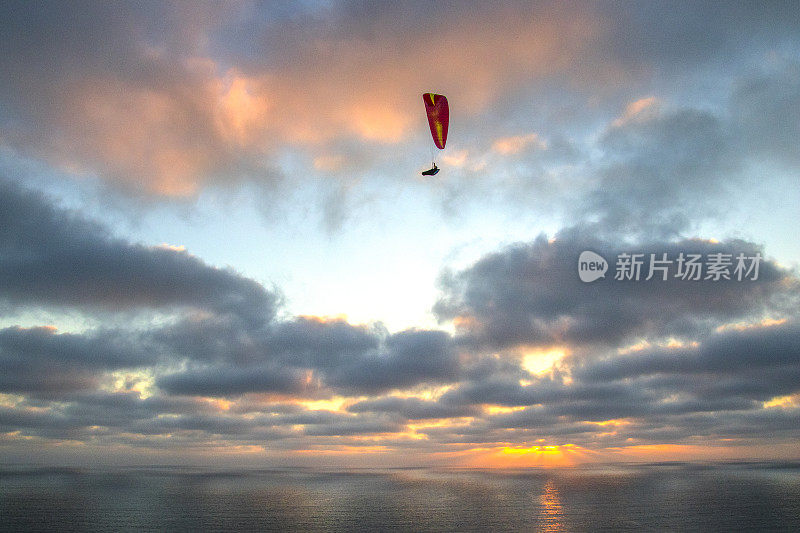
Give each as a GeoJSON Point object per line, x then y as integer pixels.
{"type": "Point", "coordinates": [640, 110]}
{"type": "Point", "coordinates": [179, 121]}
{"type": "Point", "coordinates": [514, 145]}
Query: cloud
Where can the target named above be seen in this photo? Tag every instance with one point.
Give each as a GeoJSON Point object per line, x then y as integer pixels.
{"type": "Point", "coordinates": [530, 294]}
{"type": "Point", "coordinates": [231, 381]}
{"type": "Point", "coordinates": [182, 98]}
{"type": "Point", "coordinates": [642, 110]}
{"type": "Point", "coordinates": [638, 361]}
{"type": "Point", "coordinates": [765, 112]}
{"type": "Point", "coordinates": [41, 360]}
{"type": "Point", "coordinates": [412, 408]}
{"type": "Point", "coordinates": [660, 170]}
{"type": "Point", "coordinates": [757, 363]}
{"type": "Point", "coordinates": [409, 358]}
{"type": "Point", "coordinates": [513, 145]}
{"type": "Point", "coordinates": [716, 383]}
{"type": "Point", "coordinates": [185, 98]}
{"type": "Point", "coordinates": [168, 140]}
{"type": "Point", "coordinates": [305, 357]}
{"type": "Point", "coordinates": [717, 386]}
{"type": "Point", "coordinates": [121, 93]}
{"type": "Point", "coordinates": [647, 117]}
{"type": "Point", "coordinates": [53, 257]}
{"type": "Point", "coordinates": [323, 343]}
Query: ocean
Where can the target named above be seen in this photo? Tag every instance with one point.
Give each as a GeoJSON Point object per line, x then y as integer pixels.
{"type": "Point", "coordinates": [656, 497]}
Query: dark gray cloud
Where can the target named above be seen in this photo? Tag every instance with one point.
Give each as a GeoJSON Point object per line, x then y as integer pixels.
{"type": "Point", "coordinates": [118, 417]}
{"type": "Point", "coordinates": [57, 39]}
{"type": "Point", "coordinates": [658, 174]}
{"type": "Point", "coordinates": [679, 35]}
{"type": "Point", "coordinates": [39, 360]}
{"type": "Point", "coordinates": [713, 387]}
{"type": "Point", "coordinates": [53, 257]}
{"type": "Point", "coordinates": [409, 358]}
{"type": "Point", "coordinates": [357, 426]}
{"type": "Point", "coordinates": [324, 344]}
{"type": "Point", "coordinates": [510, 393]}
{"type": "Point", "coordinates": [748, 351]}
{"type": "Point", "coordinates": [663, 170]}
{"type": "Point", "coordinates": [232, 381]}
{"type": "Point", "coordinates": [669, 37]}
{"type": "Point", "coordinates": [307, 356]}
{"type": "Point", "coordinates": [531, 293]}
{"type": "Point", "coordinates": [766, 113]}
{"type": "Point", "coordinates": [712, 382]}
{"type": "Point", "coordinates": [664, 394]}
{"type": "Point", "coordinates": [50, 257]}
{"type": "Point", "coordinates": [86, 414]}
{"type": "Point", "coordinates": [412, 408]}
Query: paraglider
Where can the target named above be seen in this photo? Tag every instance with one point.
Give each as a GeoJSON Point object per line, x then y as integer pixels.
{"type": "Point", "coordinates": [431, 172]}
{"type": "Point", "coordinates": [438, 119]}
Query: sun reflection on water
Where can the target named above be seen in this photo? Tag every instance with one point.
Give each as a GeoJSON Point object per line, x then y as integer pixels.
{"type": "Point", "coordinates": [550, 515]}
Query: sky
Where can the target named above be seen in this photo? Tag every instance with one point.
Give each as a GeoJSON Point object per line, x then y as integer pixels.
{"type": "Point", "coordinates": [216, 247]}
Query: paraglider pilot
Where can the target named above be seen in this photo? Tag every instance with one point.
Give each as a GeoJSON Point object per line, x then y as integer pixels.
{"type": "Point", "coordinates": [431, 172]}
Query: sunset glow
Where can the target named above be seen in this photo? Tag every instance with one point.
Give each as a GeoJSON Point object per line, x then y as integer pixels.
{"type": "Point", "coordinates": [221, 243]}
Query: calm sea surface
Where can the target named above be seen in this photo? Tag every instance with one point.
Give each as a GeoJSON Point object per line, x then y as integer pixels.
{"type": "Point", "coordinates": [684, 497]}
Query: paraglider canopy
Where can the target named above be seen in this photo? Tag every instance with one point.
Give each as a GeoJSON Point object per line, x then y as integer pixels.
{"type": "Point", "coordinates": [438, 117]}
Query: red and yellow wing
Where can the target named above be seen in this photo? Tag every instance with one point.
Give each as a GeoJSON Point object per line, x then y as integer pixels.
{"type": "Point", "coordinates": [438, 117]}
